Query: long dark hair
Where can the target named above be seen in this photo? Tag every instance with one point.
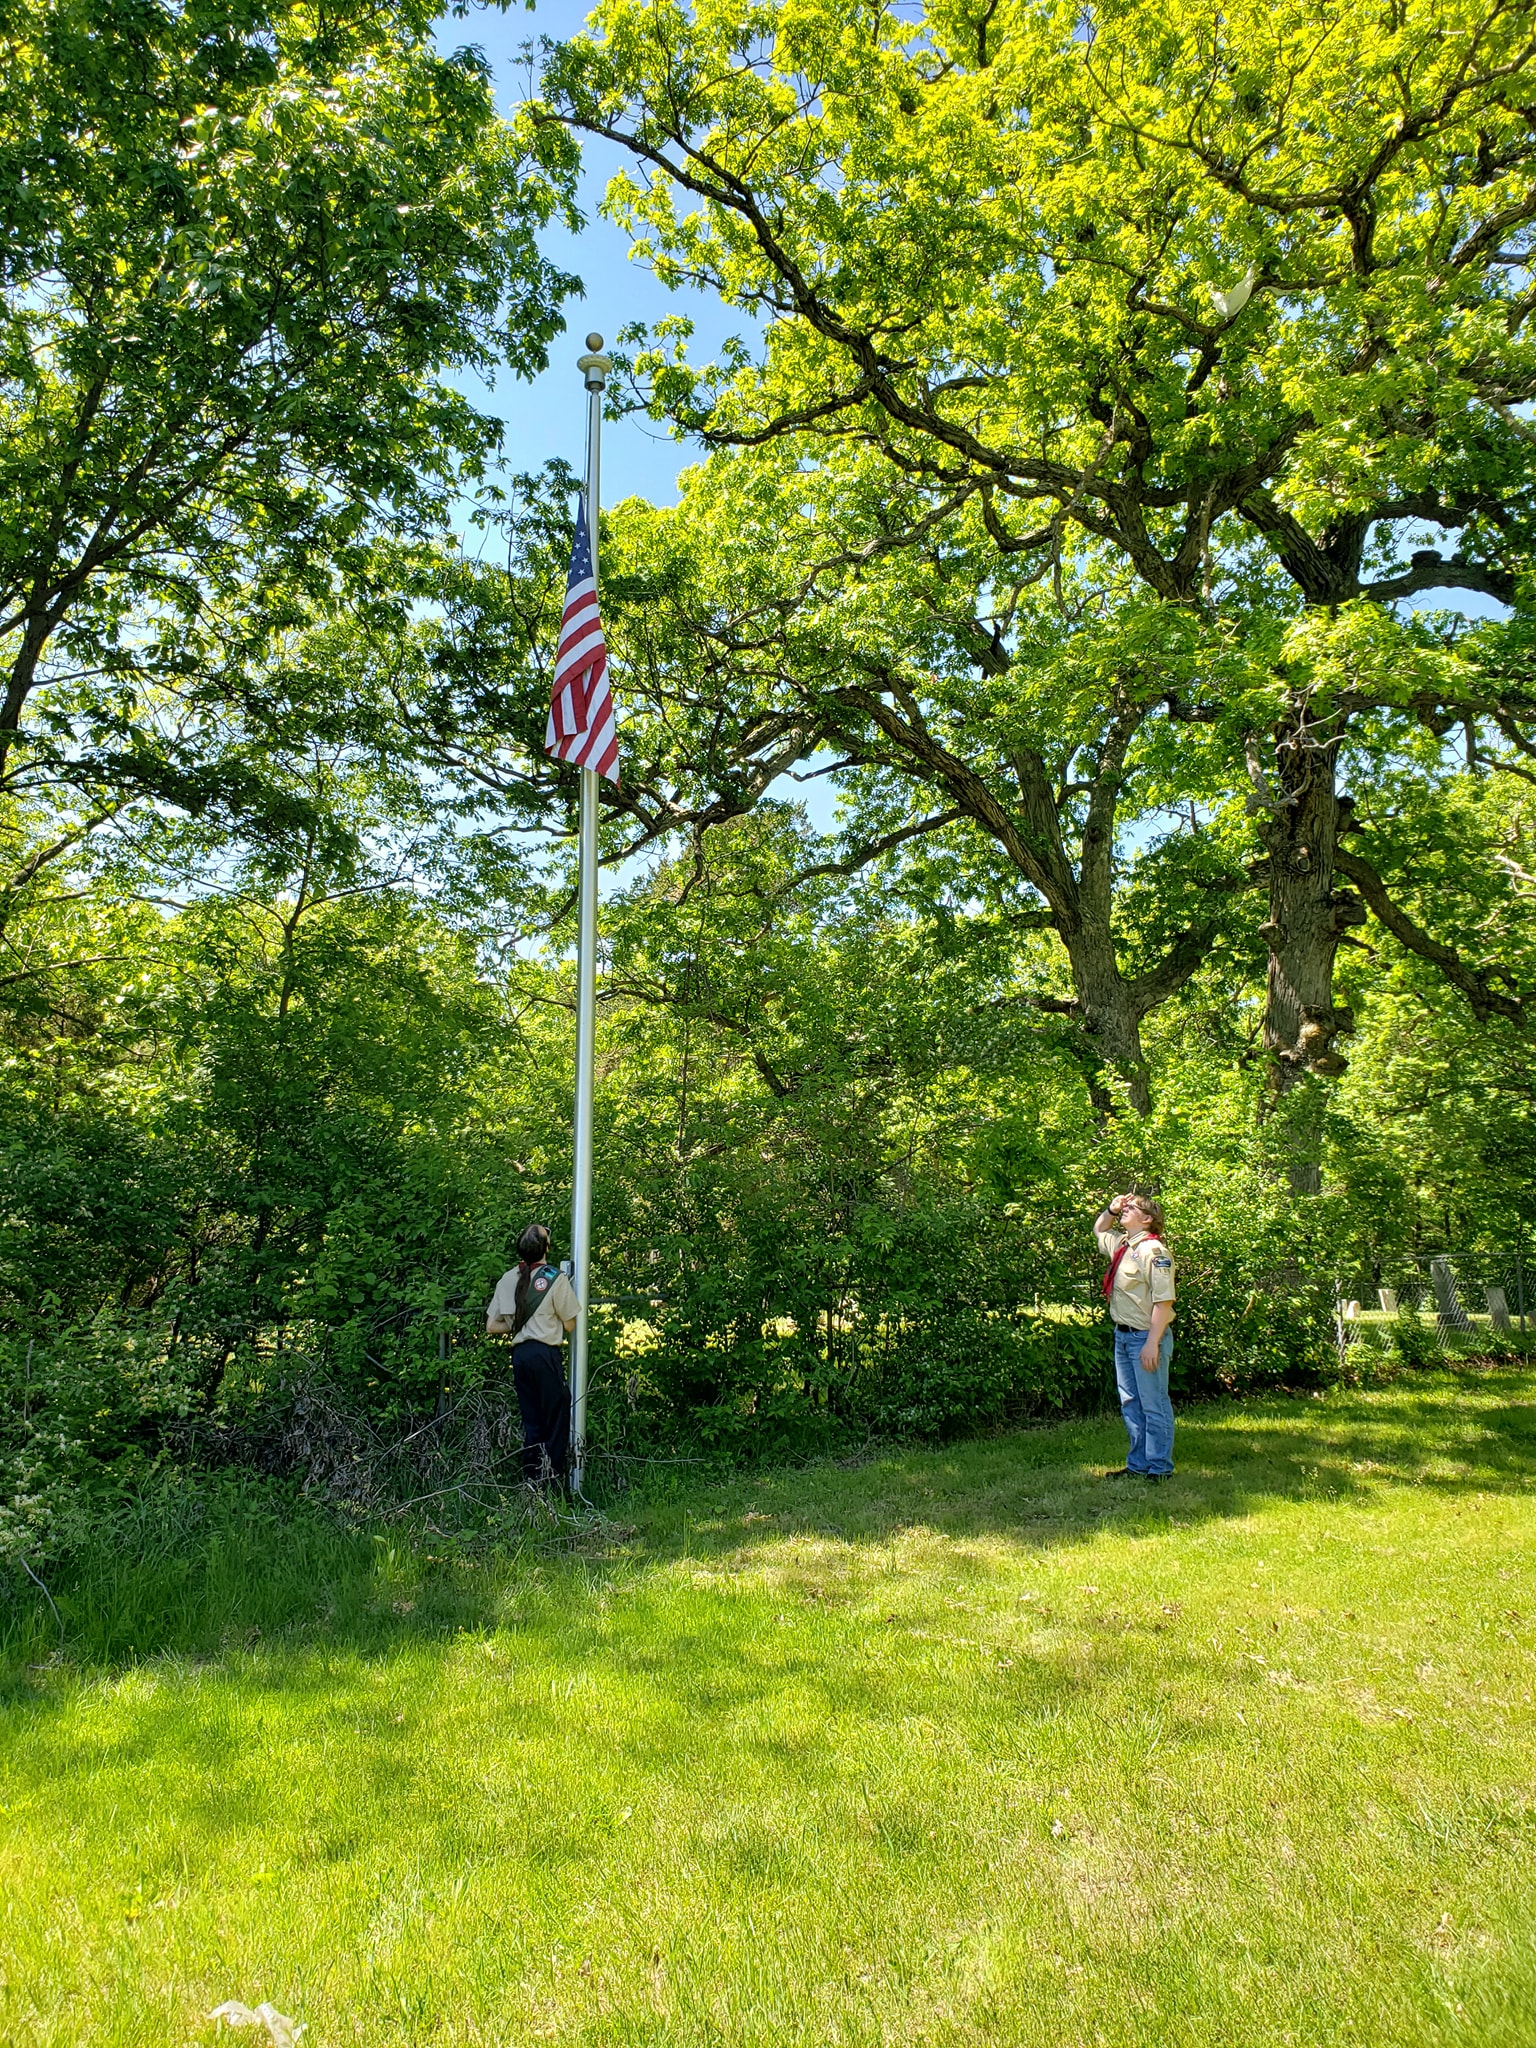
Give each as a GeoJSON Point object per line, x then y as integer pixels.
{"type": "Point", "coordinates": [532, 1251]}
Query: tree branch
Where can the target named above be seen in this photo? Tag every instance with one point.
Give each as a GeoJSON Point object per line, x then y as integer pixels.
{"type": "Point", "coordinates": [1472, 982]}
{"type": "Point", "coordinates": [887, 843]}
{"type": "Point", "coordinates": [1430, 571]}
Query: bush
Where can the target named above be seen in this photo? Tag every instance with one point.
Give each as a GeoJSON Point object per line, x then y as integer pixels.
{"type": "Point", "coordinates": [976, 1370]}
{"type": "Point", "coordinates": [1415, 1342]}
{"type": "Point", "coordinates": [82, 1416]}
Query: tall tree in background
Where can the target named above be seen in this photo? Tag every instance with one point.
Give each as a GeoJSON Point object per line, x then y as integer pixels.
{"type": "Point", "coordinates": [1241, 301]}
{"type": "Point", "coordinates": [757, 642]}
{"type": "Point", "coordinates": [979, 730]}
{"type": "Point", "coordinates": [746, 657]}
{"type": "Point", "coordinates": [242, 253]}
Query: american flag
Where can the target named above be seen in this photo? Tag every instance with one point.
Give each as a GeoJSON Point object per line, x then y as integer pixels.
{"type": "Point", "coordinates": [581, 726]}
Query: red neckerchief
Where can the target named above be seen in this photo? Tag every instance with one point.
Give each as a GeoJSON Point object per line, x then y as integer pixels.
{"type": "Point", "coordinates": [1114, 1264]}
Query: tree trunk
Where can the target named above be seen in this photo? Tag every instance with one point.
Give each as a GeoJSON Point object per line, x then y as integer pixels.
{"type": "Point", "coordinates": [18, 688]}
{"type": "Point", "coordinates": [1308, 916]}
{"type": "Point", "coordinates": [1108, 1018]}
{"type": "Point", "coordinates": [1027, 823]}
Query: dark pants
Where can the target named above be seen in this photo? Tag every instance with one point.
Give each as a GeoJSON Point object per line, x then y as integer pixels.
{"type": "Point", "coordinates": [545, 1401]}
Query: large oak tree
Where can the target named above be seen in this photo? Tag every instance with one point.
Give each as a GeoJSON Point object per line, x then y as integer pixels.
{"type": "Point", "coordinates": [1240, 300]}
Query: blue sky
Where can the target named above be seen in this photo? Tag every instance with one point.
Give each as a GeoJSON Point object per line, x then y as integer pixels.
{"type": "Point", "coordinates": [548, 417]}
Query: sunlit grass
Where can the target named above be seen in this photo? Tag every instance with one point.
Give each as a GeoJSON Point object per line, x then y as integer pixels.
{"type": "Point", "coordinates": [957, 1747]}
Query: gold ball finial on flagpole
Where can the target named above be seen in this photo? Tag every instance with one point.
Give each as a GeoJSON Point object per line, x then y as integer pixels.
{"type": "Point", "coordinates": [594, 365]}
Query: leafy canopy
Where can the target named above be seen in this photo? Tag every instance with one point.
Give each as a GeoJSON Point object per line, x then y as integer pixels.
{"type": "Point", "coordinates": [243, 251]}
{"type": "Point", "coordinates": [1177, 284]}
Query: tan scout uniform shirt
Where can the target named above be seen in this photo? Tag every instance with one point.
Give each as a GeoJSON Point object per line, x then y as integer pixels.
{"type": "Point", "coordinates": [557, 1306]}
{"type": "Point", "coordinates": [1144, 1276]}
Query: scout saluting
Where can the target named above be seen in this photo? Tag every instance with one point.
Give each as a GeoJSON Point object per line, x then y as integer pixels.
{"type": "Point", "coordinates": [1139, 1290]}
{"type": "Point", "coordinates": [536, 1305]}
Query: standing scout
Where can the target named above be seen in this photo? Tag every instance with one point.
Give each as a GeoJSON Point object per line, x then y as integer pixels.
{"type": "Point", "coordinates": [537, 1305]}
{"type": "Point", "coordinates": [1139, 1289]}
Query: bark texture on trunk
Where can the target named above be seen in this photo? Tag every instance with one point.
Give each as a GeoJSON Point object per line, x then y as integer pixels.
{"type": "Point", "coordinates": [1308, 914]}
{"type": "Point", "coordinates": [1108, 1018]}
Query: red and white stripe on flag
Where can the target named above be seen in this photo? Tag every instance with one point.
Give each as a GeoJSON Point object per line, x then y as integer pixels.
{"type": "Point", "coordinates": [581, 723]}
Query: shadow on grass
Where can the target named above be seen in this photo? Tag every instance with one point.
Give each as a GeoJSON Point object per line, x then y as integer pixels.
{"type": "Point", "coordinates": [241, 1574]}
{"type": "Point", "coordinates": [1467, 1430]}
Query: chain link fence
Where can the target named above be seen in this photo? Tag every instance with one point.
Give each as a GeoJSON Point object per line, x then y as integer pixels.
{"type": "Point", "coordinates": [1453, 1303]}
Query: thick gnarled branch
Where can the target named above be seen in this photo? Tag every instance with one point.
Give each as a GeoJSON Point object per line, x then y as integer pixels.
{"type": "Point", "coordinates": [1475, 983]}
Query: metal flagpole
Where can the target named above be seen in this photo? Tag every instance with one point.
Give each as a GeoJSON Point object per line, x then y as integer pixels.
{"type": "Point", "coordinates": [594, 367]}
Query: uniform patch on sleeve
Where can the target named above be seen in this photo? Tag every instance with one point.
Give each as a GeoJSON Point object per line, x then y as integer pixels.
{"type": "Point", "coordinates": [540, 1284]}
{"type": "Point", "coordinates": [1163, 1262]}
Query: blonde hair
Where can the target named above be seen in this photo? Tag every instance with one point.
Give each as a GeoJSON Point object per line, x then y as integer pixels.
{"type": "Point", "coordinates": [1152, 1209]}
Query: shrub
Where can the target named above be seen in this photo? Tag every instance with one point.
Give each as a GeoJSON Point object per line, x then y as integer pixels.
{"type": "Point", "coordinates": [977, 1369]}
{"type": "Point", "coordinates": [1415, 1342]}
{"type": "Point", "coordinates": [82, 1414]}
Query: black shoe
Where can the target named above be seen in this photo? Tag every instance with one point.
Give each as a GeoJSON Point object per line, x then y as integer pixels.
{"type": "Point", "coordinates": [1156, 1478]}
{"type": "Point", "coordinates": [1120, 1472]}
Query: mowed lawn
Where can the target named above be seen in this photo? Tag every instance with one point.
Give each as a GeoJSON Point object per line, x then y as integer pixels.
{"type": "Point", "coordinates": [963, 1746]}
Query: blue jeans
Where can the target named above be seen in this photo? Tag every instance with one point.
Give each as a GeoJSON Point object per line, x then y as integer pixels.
{"type": "Point", "coordinates": [1144, 1402]}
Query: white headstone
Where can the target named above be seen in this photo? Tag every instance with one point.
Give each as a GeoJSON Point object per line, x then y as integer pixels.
{"type": "Point", "coordinates": [1498, 1308]}
{"type": "Point", "coordinates": [1387, 1296]}
{"type": "Point", "coordinates": [1351, 1311]}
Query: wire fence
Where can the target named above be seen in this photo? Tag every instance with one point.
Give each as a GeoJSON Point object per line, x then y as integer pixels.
{"type": "Point", "coordinates": [1453, 1302]}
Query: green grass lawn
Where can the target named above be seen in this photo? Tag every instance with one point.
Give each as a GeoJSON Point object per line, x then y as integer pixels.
{"type": "Point", "coordinates": [953, 1747]}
